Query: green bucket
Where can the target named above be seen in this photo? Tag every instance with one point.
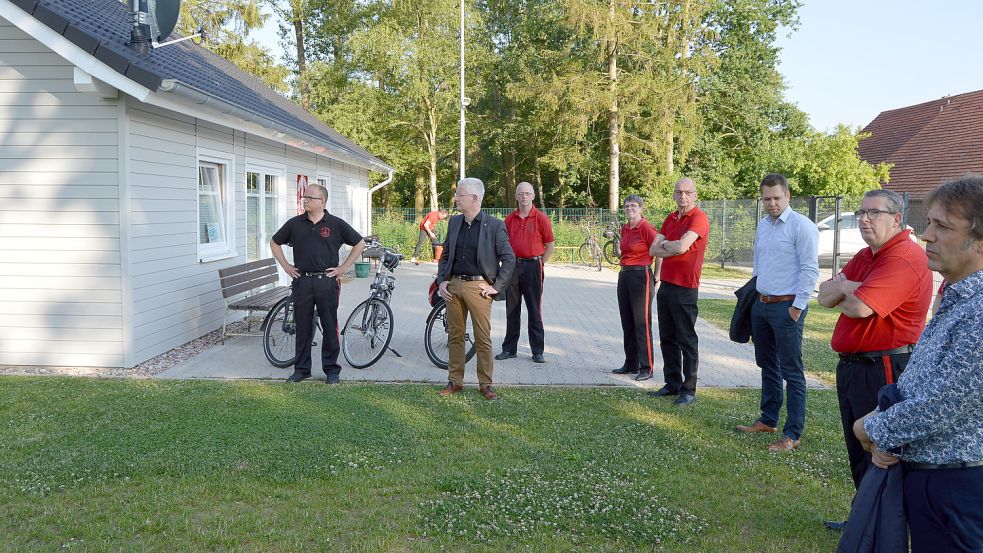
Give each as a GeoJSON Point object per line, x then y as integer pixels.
{"type": "Point", "coordinates": [362, 269]}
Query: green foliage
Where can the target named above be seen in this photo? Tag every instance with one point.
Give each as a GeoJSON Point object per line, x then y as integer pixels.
{"type": "Point", "coordinates": [156, 465]}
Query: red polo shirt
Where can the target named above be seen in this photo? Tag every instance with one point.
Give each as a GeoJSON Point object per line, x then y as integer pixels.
{"type": "Point", "coordinates": [685, 269]}
{"type": "Point", "coordinates": [433, 217]}
{"type": "Point", "coordinates": [635, 244]}
{"type": "Point", "coordinates": [529, 236]}
{"type": "Point", "coordinates": [897, 285]}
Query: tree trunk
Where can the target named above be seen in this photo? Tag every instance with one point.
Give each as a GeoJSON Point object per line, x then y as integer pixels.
{"type": "Point", "coordinates": [614, 171]}
{"type": "Point", "coordinates": [538, 174]}
{"type": "Point", "coordinates": [301, 57]}
{"type": "Point", "coordinates": [418, 198]}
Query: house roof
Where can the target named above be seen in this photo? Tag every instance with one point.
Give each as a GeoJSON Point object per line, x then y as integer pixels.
{"type": "Point", "coordinates": [102, 29]}
{"type": "Point", "coordinates": [928, 143]}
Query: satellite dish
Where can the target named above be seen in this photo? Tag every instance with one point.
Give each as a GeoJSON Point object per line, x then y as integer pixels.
{"type": "Point", "coordinates": [163, 18]}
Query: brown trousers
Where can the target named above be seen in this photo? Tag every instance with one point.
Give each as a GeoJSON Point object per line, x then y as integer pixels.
{"type": "Point", "coordinates": [467, 299]}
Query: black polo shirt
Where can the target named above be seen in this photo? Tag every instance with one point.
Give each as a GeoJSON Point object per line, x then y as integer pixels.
{"type": "Point", "coordinates": [316, 245]}
{"type": "Point", "coordinates": [466, 248]}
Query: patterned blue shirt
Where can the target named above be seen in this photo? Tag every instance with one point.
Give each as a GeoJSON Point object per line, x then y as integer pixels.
{"type": "Point", "coordinates": [786, 256]}
{"type": "Point", "coordinates": [940, 419]}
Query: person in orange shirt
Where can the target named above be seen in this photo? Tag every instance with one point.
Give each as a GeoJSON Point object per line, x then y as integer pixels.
{"type": "Point", "coordinates": [427, 225]}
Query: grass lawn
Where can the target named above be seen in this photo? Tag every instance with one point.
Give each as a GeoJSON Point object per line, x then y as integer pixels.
{"type": "Point", "coordinates": [125, 465]}
{"type": "Point", "coordinates": [819, 359]}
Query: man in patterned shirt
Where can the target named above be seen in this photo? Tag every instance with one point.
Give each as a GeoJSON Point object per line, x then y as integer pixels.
{"type": "Point", "coordinates": [936, 430]}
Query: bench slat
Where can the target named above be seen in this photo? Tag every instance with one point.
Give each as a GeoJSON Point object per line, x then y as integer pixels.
{"type": "Point", "coordinates": [261, 301]}
{"type": "Point", "coordinates": [258, 274]}
{"type": "Point", "coordinates": [247, 286]}
{"type": "Point", "coordinates": [245, 267]}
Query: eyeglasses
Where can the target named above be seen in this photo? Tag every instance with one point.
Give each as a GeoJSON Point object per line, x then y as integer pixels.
{"type": "Point", "coordinates": [523, 193]}
{"type": "Point", "coordinates": [870, 213]}
{"type": "Point", "coordinates": [632, 206]}
{"type": "Point", "coordinates": [311, 198]}
{"type": "Point", "coordinates": [459, 195]}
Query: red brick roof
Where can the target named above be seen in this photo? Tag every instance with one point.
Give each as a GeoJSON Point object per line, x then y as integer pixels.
{"type": "Point", "coordinates": [928, 143]}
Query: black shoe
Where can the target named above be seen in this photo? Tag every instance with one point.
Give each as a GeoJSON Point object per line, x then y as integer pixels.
{"type": "Point", "coordinates": [333, 379]}
{"type": "Point", "coordinates": [644, 375]}
{"type": "Point", "coordinates": [624, 370]}
{"type": "Point", "coordinates": [297, 377]}
{"type": "Point", "coordinates": [835, 524]}
{"type": "Point", "coordinates": [662, 392]}
{"type": "Point", "coordinates": [538, 358]}
{"type": "Point", "coordinates": [505, 355]}
{"type": "Point", "coordinates": [685, 399]}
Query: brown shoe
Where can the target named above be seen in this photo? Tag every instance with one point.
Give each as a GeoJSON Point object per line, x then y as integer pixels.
{"type": "Point", "coordinates": [451, 388]}
{"type": "Point", "coordinates": [489, 393]}
{"type": "Point", "coordinates": [758, 426]}
{"type": "Point", "coordinates": [785, 444]}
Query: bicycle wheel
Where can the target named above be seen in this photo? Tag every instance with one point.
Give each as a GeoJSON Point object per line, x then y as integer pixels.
{"type": "Point", "coordinates": [367, 333]}
{"type": "Point", "coordinates": [610, 253]}
{"type": "Point", "coordinates": [585, 255]}
{"type": "Point", "coordinates": [435, 337]}
{"type": "Point", "coordinates": [280, 334]}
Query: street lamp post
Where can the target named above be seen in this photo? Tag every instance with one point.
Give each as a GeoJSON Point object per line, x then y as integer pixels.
{"type": "Point", "coordinates": [464, 100]}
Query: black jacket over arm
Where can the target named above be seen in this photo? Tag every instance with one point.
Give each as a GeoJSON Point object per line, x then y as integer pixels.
{"type": "Point", "coordinates": [495, 257]}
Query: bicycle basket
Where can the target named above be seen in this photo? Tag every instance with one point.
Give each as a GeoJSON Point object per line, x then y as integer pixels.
{"type": "Point", "coordinates": [390, 260]}
{"type": "Point", "coordinates": [609, 234]}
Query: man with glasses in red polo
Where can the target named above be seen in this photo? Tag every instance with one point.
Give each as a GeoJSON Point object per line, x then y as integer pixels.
{"type": "Point", "coordinates": [316, 237]}
{"type": "Point", "coordinates": [531, 237]}
{"type": "Point", "coordinates": [883, 295]}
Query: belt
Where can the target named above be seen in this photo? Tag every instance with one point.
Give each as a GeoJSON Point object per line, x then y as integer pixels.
{"type": "Point", "coordinates": [317, 274]}
{"type": "Point", "coordinates": [634, 267]}
{"type": "Point", "coordinates": [865, 356]}
{"type": "Point", "coordinates": [528, 259]}
{"type": "Point", "coordinates": [469, 278]}
{"type": "Point", "coordinates": [775, 299]}
{"type": "Point", "coordinates": [929, 466]}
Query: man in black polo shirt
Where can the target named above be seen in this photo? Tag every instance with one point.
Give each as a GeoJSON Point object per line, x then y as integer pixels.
{"type": "Point", "coordinates": [316, 237]}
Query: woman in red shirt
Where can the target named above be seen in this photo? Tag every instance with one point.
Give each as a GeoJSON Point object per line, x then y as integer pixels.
{"type": "Point", "coordinates": [636, 288]}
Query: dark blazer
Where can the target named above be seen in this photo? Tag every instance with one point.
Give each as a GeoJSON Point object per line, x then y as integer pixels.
{"type": "Point", "coordinates": [740, 322]}
{"type": "Point", "coordinates": [495, 257]}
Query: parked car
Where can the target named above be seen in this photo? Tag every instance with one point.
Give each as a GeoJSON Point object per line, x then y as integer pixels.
{"type": "Point", "coordinates": [851, 241]}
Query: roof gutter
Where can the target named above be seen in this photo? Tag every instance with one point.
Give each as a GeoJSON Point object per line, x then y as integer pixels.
{"type": "Point", "coordinates": [388, 180]}
{"type": "Point", "coordinates": [278, 130]}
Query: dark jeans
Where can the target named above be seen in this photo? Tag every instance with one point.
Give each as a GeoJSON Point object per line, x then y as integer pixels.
{"type": "Point", "coordinates": [635, 306]}
{"type": "Point", "coordinates": [778, 352]}
{"type": "Point", "coordinates": [677, 309]}
{"type": "Point", "coordinates": [323, 292]}
{"type": "Point", "coordinates": [857, 384]}
{"type": "Point", "coordinates": [944, 509]}
{"type": "Point", "coordinates": [526, 284]}
{"type": "Point", "coordinates": [424, 237]}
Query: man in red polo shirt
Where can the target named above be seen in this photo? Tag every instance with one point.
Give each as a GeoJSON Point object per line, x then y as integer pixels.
{"type": "Point", "coordinates": [427, 225]}
{"type": "Point", "coordinates": [679, 249]}
{"type": "Point", "coordinates": [531, 237]}
{"type": "Point", "coordinates": [883, 294]}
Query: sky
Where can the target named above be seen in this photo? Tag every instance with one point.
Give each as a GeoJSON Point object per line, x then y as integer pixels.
{"type": "Point", "coordinates": [849, 60]}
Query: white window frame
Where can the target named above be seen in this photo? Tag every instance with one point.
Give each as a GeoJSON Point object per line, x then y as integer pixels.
{"type": "Point", "coordinates": [226, 164]}
{"type": "Point", "coordinates": [279, 201]}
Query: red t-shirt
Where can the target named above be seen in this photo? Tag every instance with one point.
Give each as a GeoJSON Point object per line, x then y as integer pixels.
{"type": "Point", "coordinates": [897, 285]}
{"type": "Point", "coordinates": [635, 244]}
{"type": "Point", "coordinates": [433, 217]}
{"type": "Point", "coordinates": [528, 237]}
{"type": "Point", "coordinates": [685, 269]}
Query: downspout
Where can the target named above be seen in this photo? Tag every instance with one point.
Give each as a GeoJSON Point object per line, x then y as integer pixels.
{"type": "Point", "coordinates": [388, 180]}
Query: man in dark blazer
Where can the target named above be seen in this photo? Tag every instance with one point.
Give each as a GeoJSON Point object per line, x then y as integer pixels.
{"type": "Point", "coordinates": [476, 264]}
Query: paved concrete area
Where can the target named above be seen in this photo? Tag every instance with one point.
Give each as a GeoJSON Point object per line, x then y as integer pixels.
{"type": "Point", "coordinates": [583, 339]}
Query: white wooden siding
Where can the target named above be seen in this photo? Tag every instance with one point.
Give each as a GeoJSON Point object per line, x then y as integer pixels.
{"type": "Point", "coordinates": [60, 289]}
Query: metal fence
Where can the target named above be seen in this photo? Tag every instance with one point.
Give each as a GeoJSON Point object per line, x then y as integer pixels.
{"type": "Point", "coordinates": [732, 224]}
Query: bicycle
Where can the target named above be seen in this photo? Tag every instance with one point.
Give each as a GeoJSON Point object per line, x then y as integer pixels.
{"type": "Point", "coordinates": [589, 252]}
{"type": "Point", "coordinates": [613, 245]}
{"type": "Point", "coordinates": [369, 329]}
{"type": "Point", "coordinates": [279, 333]}
{"type": "Point", "coordinates": [435, 335]}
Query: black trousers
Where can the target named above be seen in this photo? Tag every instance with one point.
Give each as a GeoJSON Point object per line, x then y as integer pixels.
{"type": "Point", "coordinates": [944, 509]}
{"type": "Point", "coordinates": [324, 293]}
{"type": "Point", "coordinates": [635, 306]}
{"type": "Point", "coordinates": [677, 309]}
{"type": "Point", "coordinates": [424, 237]}
{"type": "Point", "coordinates": [857, 384]}
{"type": "Point", "coordinates": [526, 285]}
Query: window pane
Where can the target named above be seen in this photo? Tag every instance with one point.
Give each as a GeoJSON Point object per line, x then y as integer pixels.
{"type": "Point", "coordinates": [212, 224]}
{"type": "Point", "coordinates": [252, 183]}
{"type": "Point", "coordinates": [270, 184]}
{"type": "Point", "coordinates": [252, 227]}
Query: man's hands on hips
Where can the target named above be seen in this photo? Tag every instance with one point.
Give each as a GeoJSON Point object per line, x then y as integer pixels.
{"type": "Point", "coordinates": [334, 272]}
{"type": "Point", "coordinates": [444, 293]}
{"type": "Point", "coordinates": [291, 271]}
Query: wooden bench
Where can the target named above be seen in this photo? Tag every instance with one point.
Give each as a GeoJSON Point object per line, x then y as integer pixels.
{"type": "Point", "coordinates": [250, 287]}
